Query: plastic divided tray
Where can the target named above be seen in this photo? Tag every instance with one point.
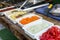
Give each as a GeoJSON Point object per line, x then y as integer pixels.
{"type": "Point", "coordinates": [44, 31]}
{"type": "Point", "coordinates": [28, 19]}
{"type": "Point", "coordinates": [14, 14]}
{"type": "Point", "coordinates": [38, 27]}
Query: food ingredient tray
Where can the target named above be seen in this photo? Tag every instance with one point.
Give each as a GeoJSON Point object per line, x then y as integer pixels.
{"type": "Point", "coordinates": [33, 29]}
{"type": "Point", "coordinates": [14, 14]}
{"type": "Point", "coordinates": [28, 19]}
{"type": "Point", "coordinates": [53, 29]}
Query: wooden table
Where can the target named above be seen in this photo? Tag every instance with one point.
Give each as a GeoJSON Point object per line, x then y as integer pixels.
{"type": "Point", "coordinates": [18, 31]}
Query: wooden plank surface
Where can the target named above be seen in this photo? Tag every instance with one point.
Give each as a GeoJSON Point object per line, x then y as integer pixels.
{"type": "Point", "coordinates": [16, 27]}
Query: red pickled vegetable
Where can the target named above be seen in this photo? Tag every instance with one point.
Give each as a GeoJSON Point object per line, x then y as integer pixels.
{"type": "Point", "coordinates": [51, 34]}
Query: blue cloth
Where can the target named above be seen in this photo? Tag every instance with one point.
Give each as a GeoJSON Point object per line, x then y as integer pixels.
{"type": "Point", "coordinates": [42, 11]}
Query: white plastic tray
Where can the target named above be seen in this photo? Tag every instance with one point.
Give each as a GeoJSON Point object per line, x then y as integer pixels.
{"type": "Point", "coordinates": [30, 29]}
{"type": "Point", "coordinates": [8, 14]}
{"type": "Point", "coordinates": [40, 34]}
{"type": "Point", "coordinates": [28, 15]}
